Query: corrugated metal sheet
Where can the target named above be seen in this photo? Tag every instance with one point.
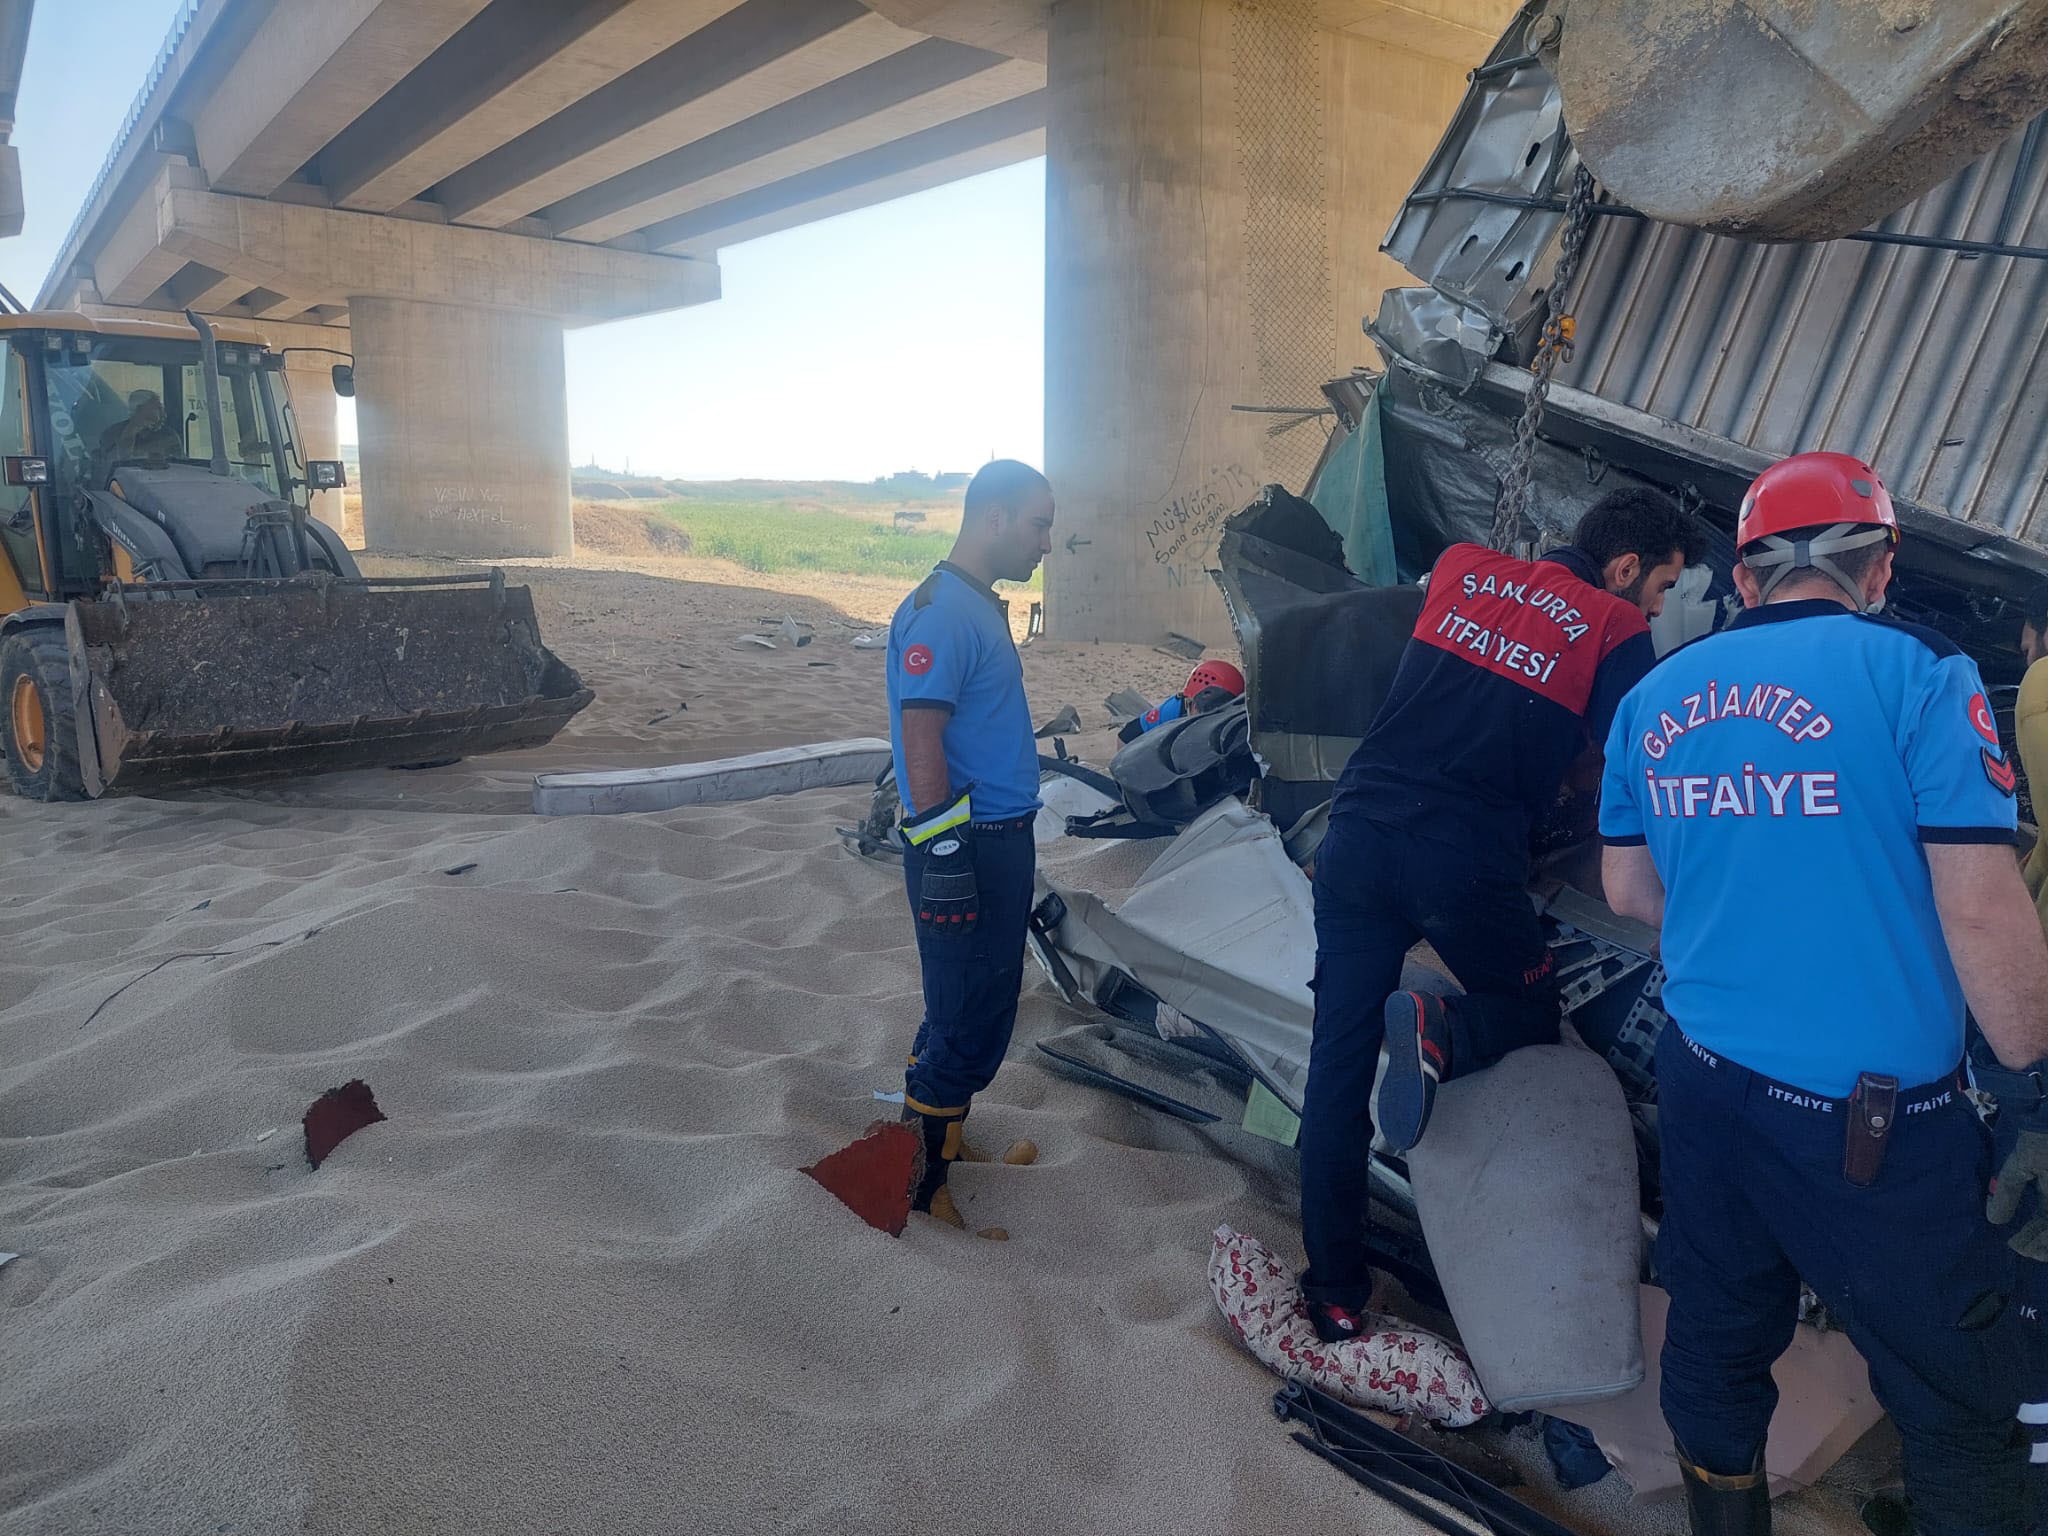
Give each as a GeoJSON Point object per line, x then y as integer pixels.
{"type": "Point", "coordinates": [1931, 364]}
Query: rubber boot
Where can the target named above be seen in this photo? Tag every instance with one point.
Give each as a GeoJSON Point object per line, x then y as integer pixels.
{"type": "Point", "coordinates": [942, 1143]}
{"type": "Point", "coordinates": [1726, 1506]}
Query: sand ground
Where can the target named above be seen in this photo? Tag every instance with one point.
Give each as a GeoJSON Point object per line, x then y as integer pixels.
{"type": "Point", "coordinates": [575, 1282]}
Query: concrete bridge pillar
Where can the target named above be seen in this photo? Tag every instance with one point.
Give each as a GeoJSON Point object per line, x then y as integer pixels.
{"type": "Point", "coordinates": [457, 338]}
{"type": "Point", "coordinates": [463, 421]}
{"type": "Point", "coordinates": [1219, 175]}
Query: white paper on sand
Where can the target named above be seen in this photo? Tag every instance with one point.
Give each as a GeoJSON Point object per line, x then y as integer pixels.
{"type": "Point", "coordinates": [784, 771]}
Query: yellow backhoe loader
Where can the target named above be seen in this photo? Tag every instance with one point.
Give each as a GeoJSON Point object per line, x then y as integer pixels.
{"type": "Point", "coordinates": [171, 616]}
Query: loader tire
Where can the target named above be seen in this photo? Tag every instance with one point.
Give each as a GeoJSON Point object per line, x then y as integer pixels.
{"type": "Point", "coordinates": [38, 727]}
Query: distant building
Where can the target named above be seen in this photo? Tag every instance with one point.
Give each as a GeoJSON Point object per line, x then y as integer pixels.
{"type": "Point", "coordinates": [951, 480]}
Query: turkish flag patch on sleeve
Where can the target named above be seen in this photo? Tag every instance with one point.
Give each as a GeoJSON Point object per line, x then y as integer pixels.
{"type": "Point", "coordinates": [1982, 721]}
{"type": "Point", "coordinates": [917, 660]}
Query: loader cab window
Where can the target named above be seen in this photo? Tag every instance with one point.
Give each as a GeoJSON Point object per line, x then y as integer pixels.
{"type": "Point", "coordinates": [17, 525]}
{"type": "Point", "coordinates": [245, 424]}
{"type": "Point", "coordinates": [293, 444]}
{"type": "Point", "coordinates": [121, 400]}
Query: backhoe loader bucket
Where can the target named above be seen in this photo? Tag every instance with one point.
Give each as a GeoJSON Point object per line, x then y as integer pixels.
{"type": "Point", "coordinates": [194, 683]}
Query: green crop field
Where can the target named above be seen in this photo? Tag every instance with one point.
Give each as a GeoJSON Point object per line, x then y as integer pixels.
{"type": "Point", "coordinates": [767, 537]}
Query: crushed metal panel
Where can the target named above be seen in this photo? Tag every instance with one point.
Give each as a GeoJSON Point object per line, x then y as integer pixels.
{"type": "Point", "coordinates": [1508, 139]}
{"type": "Point", "coordinates": [1298, 616]}
{"type": "Point", "coordinates": [1974, 557]}
{"type": "Point", "coordinates": [1221, 926]}
{"type": "Point", "coordinates": [1441, 336]}
{"type": "Point", "coordinates": [1226, 891]}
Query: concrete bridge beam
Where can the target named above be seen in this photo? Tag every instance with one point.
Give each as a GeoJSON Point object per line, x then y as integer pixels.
{"type": "Point", "coordinates": [310, 69]}
{"type": "Point", "coordinates": [750, 59]}
{"type": "Point", "coordinates": [918, 89]}
{"type": "Point", "coordinates": [332, 255]}
{"type": "Point", "coordinates": [511, 69]}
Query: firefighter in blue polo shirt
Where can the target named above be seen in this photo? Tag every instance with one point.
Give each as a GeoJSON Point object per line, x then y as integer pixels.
{"type": "Point", "coordinates": [1815, 807]}
{"type": "Point", "coordinates": [967, 773]}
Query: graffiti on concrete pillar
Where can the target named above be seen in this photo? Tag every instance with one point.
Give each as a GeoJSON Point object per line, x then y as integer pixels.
{"type": "Point", "coordinates": [1184, 531]}
{"type": "Point", "coordinates": [468, 506]}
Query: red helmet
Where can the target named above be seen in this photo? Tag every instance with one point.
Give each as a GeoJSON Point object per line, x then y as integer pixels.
{"type": "Point", "coordinates": [1213, 674]}
{"type": "Point", "coordinates": [1814, 490]}
{"type": "Point", "coordinates": [1835, 493]}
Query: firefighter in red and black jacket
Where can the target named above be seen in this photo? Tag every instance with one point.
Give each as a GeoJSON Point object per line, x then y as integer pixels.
{"type": "Point", "coordinates": [1514, 669]}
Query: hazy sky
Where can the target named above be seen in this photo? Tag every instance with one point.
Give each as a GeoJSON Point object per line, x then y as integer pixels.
{"type": "Point", "coordinates": [905, 336]}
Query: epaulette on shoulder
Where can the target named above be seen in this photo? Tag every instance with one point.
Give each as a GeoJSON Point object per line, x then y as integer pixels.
{"type": "Point", "coordinates": [922, 598]}
{"type": "Point", "coordinates": [1933, 639]}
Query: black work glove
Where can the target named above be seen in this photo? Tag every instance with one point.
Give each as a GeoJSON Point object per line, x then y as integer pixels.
{"type": "Point", "coordinates": [2025, 1168]}
{"type": "Point", "coordinates": [948, 900]}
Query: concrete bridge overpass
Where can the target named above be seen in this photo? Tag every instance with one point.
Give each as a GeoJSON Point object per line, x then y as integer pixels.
{"type": "Point", "coordinates": [439, 187]}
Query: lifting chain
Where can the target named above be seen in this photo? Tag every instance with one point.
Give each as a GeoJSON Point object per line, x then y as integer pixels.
{"type": "Point", "coordinates": [1510, 514]}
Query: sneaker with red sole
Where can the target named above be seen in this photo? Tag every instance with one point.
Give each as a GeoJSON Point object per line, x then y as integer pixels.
{"type": "Point", "coordinates": [1414, 1058]}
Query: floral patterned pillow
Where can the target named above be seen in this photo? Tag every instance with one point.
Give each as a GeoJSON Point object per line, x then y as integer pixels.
{"type": "Point", "coordinates": [1390, 1367]}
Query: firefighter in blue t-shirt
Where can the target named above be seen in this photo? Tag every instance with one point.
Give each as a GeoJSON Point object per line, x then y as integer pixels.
{"type": "Point", "coordinates": [967, 773]}
{"type": "Point", "coordinates": [1815, 807]}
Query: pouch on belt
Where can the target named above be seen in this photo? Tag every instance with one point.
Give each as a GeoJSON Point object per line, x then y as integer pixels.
{"type": "Point", "coordinates": [1872, 1109]}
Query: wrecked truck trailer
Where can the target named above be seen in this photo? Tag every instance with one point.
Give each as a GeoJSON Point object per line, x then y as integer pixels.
{"type": "Point", "coordinates": [1696, 361]}
{"type": "Point", "coordinates": [1205, 939]}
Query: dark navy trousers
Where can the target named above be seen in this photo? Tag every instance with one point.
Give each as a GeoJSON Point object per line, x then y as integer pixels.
{"type": "Point", "coordinates": [1377, 893]}
{"type": "Point", "coordinates": [971, 981]}
{"type": "Point", "coordinates": [2030, 1325]}
{"type": "Point", "coordinates": [1755, 1200]}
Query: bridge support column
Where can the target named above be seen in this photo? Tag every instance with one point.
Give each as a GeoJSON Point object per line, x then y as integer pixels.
{"type": "Point", "coordinates": [457, 336]}
{"type": "Point", "coordinates": [1218, 177]}
{"type": "Point", "coordinates": [464, 429]}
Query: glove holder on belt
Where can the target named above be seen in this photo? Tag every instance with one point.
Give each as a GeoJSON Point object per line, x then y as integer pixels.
{"type": "Point", "coordinates": [1873, 1108]}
